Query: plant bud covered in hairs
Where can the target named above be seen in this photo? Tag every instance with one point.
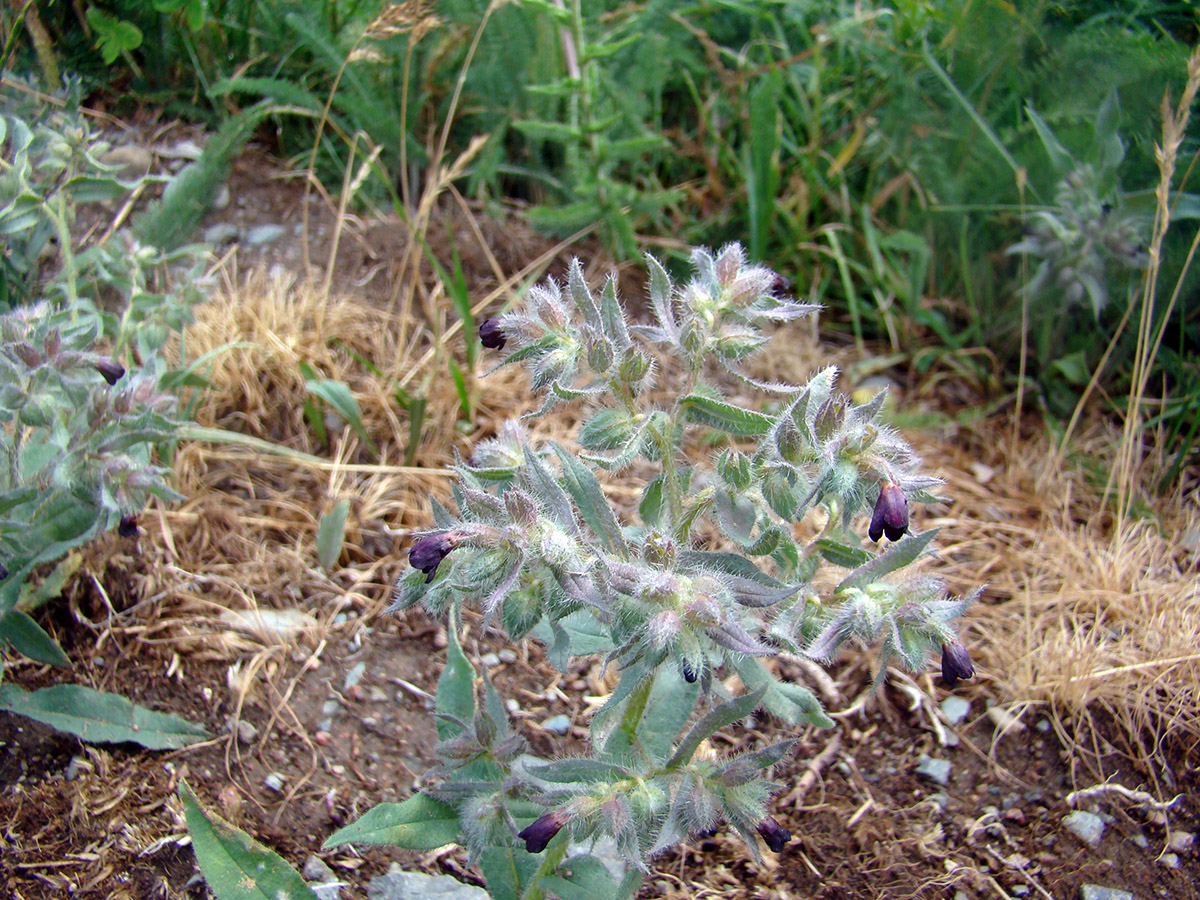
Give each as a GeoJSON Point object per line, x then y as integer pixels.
{"type": "Point", "coordinates": [773, 834]}
{"type": "Point", "coordinates": [110, 369]}
{"type": "Point", "coordinates": [428, 552]}
{"type": "Point", "coordinates": [543, 830]}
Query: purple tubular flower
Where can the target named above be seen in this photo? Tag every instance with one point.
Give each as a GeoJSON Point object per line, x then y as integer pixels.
{"type": "Point", "coordinates": [128, 526]}
{"type": "Point", "coordinates": [542, 831]}
{"type": "Point", "coordinates": [427, 553]}
{"type": "Point", "coordinates": [956, 663]}
{"type": "Point", "coordinates": [491, 335]}
{"type": "Point", "coordinates": [3, 571]}
{"type": "Point", "coordinates": [773, 834]}
{"type": "Point", "coordinates": [891, 513]}
{"type": "Point", "coordinates": [110, 369]}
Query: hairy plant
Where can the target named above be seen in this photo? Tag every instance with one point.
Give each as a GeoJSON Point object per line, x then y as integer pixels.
{"type": "Point", "coordinates": [535, 546]}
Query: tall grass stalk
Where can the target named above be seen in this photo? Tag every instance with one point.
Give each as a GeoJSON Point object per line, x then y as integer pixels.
{"type": "Point", "coordinates": [1149, 338]}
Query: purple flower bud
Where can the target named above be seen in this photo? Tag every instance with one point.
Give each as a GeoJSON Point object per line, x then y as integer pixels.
{"type": "Point", "coordinates": [543, 830]}
{"type": "Point", "coordinates": [773, 834]}
{"type": "Point", "coordinates": [891, 513]}
{"type": "Point", "coordinates": [427, 553]}
{"type": "Point", "coordinates": [110, 369]}
{"type": "Point", "coordinates": [491, 335]}
{"type": "Point", "coordinates": [956, 663]}
{"type": "Point", "coordinates": [3, 571]}
{"type": "Point", "coordinates": [128, 526]}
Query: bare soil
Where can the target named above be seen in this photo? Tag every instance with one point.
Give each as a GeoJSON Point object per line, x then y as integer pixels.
{"type": "Point", "coordinates": [345, 725]}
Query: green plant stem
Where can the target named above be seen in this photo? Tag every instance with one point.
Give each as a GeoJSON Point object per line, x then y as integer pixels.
{"type": "Point", "coordinates": [60, 216]}
{"type": "Point", "coordinates": [550, 862]}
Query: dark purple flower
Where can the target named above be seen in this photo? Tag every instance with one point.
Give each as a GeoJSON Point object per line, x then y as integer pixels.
{"type": "Point", "coordinates": [891, 513]}
{"type": "Point", "coordinates": [956, 663]}
{"type": "Point", "coordinates": [427, 553]}
{"type": "Point", "coordinates": [773, 834]}
{"type": "Point", "coordinates": [491, 335]}
{"type": "Point", "coordinates": [128, 526]}
{"type": "Point", "coordinates": [3, 571]}
{"type": "Point", "coordinates": [110, 369]}
{"type": "Point", "coordinates": [543, 830]}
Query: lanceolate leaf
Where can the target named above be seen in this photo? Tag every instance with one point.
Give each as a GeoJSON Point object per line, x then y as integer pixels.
{"type": "Point", "coordinates": [100, 717]}
{"type": "Point", "coordinates": [418, 823]}
{"type": "Point", "coordinates": [589, 498]}
{"type": "Point", "coordinates": [456, 687]}
{"type": "Point", "coordinates": [725, 416]}
{"type": "Point", "coordinates": [23, 634]}
{"type": "Point", "coordinates": [897, 556]}
{"type": "Point", "coordinates": [581, 878]}
{"type": "Point", "coordinates": [724, 714]}
{"type": "Point", "coordinates": [331, 532]}
{"type": "Point", "coordinates": [572, 770]}
{"type": "Point", "coordinates": [236, 866]}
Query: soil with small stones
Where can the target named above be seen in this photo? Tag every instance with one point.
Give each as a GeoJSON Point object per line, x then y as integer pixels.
{"type": "Point", "coordinates": [349, 726]}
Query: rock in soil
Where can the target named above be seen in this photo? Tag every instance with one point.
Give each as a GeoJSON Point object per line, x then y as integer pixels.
{"type": "Point", "coordinates": [400, 885]}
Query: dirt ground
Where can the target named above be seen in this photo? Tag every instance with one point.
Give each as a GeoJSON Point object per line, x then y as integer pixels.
{"type": "Point", "coordinates": [342, 718]}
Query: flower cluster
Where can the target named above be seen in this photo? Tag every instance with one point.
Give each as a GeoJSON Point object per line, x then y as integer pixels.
{"type": "Point", "coordinates": [535, 544]}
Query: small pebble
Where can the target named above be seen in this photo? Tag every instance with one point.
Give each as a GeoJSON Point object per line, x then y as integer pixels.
{"type": "Point", "coordinates": [246, 731]}
{"type": "Point", "coordinates": [1140, 840]}
{"type": "Point", "coordinates": [1181, 841]}
{"type": "Point", "coordinates": [264, 234]}
{"type": "Point", "coordinates": [1170, 860]}
{"type": "Point", "coordinates": [955, 709]}
{"type": "Point", "coordinates": [508, 655]}
{"type": "Point", "coordinates": [1086, 826]}
{"type": "Point", "coordinates": [940, 800]}
{"type": "Point", "coordinates": [322, 738]}
{"type": "Point", "coordinates": [1099, 892]}
{"type": "Point", "coordinates": [558, 724]}
{"type": "Point", "coordinates": [1015, 815]}
{"type": "Point", "coordinates": [220, 234]}
{"type": "Point", "coordinates": [274, 782]}
{"type": "Point", "coordinates": [1019, 890]}
{"type": "Point", "coordinates": [74, 767]}
{"type": "Point", "coordinates": [354, 676]}
{"type": "Point", "coordinates": [1043, 725]}
{"type": "Point", "coordinates": [935, 770]}
{"type": "Point", "coordinates": [330, 707]}
{"type": "Point", "coordinates": [489, 660]}
{"type": "Point", "coordinates": [512, 706]}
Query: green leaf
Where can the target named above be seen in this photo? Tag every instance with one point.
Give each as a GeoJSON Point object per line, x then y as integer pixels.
{"type": "Point", "coordinates": [99, 717]}
{"type": "Point", "coordinates": [583, 487]}
{"type": "Point", "coordinates": [456, 687]}
{"type": "Point", "coordinates": [897, 556]}
{"type": "Point", "coordinates": [790, 702]}
{"type": "Point", "coordinates": [418, 823]}
{"type": "Point", "coordinates": [23, 634]}
{"type": "Point", "coordinates": [717, 718]}
{"type": "Point", "coordinates": [844, 555]}
{"type": "Point", "coordinates": [1060, 158]}
{"type": "Point", "coordinates": [235, 865]}
{"type": "Point", "coordinates": [651, 507]}
{"type": "Point", "coordinates": [607, 429]}
{"type": "Point", "coordinates": [113, 36]}
{"type": "Point", "coordinates": [725, 416]}
{"type": "Point", "coordinates": [338, 395]}
{"type": "Point", "coordinates": [331, 533]}
{"type": "Point", "coordinates": [565, 771]}
{"type": "Point", "coordinates": [581, 878]}
{"type": "Point", "coordinates": [508, 870]}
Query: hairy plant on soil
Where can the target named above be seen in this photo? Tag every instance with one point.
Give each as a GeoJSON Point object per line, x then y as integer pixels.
{"type": "Point", "coordinates": [727, 564]}
{"type": "Point", "coordinates": [78, 430]}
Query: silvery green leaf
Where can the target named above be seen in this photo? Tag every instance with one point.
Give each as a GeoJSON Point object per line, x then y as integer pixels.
{"type": "Point", "coordinates": [582, 295]}
{"type": "Point", "coordinates": [706, 270]}
{"type": "Point", "coordinates": [732, 635]}
{"type": "Point", "coordinates": [790, 702]}
{"type": "Point", "coordinates": [582, 877]}
{"type": "Point", "coordinates": [613, 316]}
{"type": "Point", "coordinates": [651, 506]}
{"type": "Point", "coordinates": [456, 688]}
{"type": "Point", "coordinates": [908, 549]}
{"type": "Point", "coordinates": [546, 486]}
{"type": "Point", "coordinates": [725, 713]}
{"type": "Point", "coordinates": [753, 593]}
{"type": "Point", "coordinates": [609, 715]}
{"type": "Point", "coordinates": [607, 429]}
{"type": "Point", "coordinates": [842, 554]}
{"type": "Point", "coordinates": [736, 515]}
{"type": "Point", "coordinates": [418, 823]}
{"type": "Point", "coordinates": [566, 771]}
{"type": "Point", "coordinates": [731, 563]}
{"type": "Point", "coordinates": [591, 502]}
{"type": "Point", "coordinates": [661, 299]}
{"type": "Point", "coordinates": [725, 416]}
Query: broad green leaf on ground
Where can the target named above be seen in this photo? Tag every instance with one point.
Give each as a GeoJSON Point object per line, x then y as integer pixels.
{"type": "Point", "coordinates": [23, 634]}
{"type": "Point", "coordinates": [99, 717]}
{"type": "Point", "coordinates": [418, 823]}
{"type": "Point", "coordinates": [331, 532]}
{"type": "Point", "coordinates": [236, 866]}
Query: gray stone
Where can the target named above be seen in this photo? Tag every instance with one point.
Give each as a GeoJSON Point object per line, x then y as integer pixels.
{"type": "Point", "coordinates": [935, 770]}
{"type": "Point", "coordinates": [1140, 840]}
{"type": "Point", "coordinates": [274, 781]}
{"type": "Point", "coordinates": [265, 234]}
{"type": "Point", "coordinates": [1019, 890]}
{"type": "Point", "coordinates": [508, 655]}
{"type": "Point", "coordinates": [133, 159]}
{"type": "Point", "coordinates": [400, 885]}
{"type": "Point", "coordinates": [321, 879]}
{"type": "Point", "coordinates": [955, 709]}
{"type": "Point", "coordinates": [1044, 725]}
{"type": "Point", "coordinates": [246, 731]}
{"type": "Point", "coordinates": [1086, 826]}
{"type": "Point", "coordinates": [941, 800]}
{"type": "Point", "coordinates": [1099, 892]}
{"type": "Point", "coordinates": [74, 767]}
{"type": "Point", "coordinates": [557, 724]}
{"type": "Point", "coordinates": [1170, 860]}
{"type": "Point", "coordinates": [220, 234]}
{"type": "Point", "coordinates": [354, 676]}
{"type": "Point", "coordinates": [489, 660]}
{"type": "Point", "coordinates": [1181, 841]}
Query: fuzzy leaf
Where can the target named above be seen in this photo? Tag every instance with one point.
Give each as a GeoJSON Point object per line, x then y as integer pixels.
{"type": "Point", "coordinates": [331, 532]}
{"type": "Point", "coordinates": [418, 823]}
{"type": "Point", "coordinates": [897, 556]}
{"type": "Point", "coordinates": [508, 871]}
{"type": "Point", "coordinates": [456, 687]}
{"type": "Point", "coordinates": [565, 771]}
{"type": "Point", "coordinates": [236, 866]}
{"type": "Point", "coordinates": [717, 718]}
{"type": "Point", "coordinates": [589, 499]}
{"type": "Point", "coordinates": [581, 878]}
{"type": "Point", "coordinates": [844, 555]}
{"type": "Point", "coordinates": [661, 299]}
{"type": "Point", "coordinates": [546, 486]}
{"type": "Point", "coordinates": [23, 634]}
{"type": "Point", "coordinates": [725, 416]}
{"type": "Point", "coordinates": [99, 717]}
